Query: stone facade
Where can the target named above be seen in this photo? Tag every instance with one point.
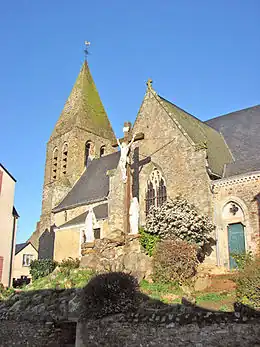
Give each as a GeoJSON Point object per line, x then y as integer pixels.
{"type": "Point", "coordinates": [189, 156]}
{"type": "Point", "coordinates": [241, 191]}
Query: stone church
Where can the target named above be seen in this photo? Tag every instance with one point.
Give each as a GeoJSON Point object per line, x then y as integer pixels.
{"type": "Point", "coordinates": [213, 164]}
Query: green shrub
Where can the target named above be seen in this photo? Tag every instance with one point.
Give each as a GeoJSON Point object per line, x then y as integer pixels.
{"type": "Point", "coordinates": [42, 267]}
{"type": "Point", "coordinates": [5, 292]}
{"type": "Point", "coordinates": [174, 261]}
{"type": "Point", "coordinates": [148, 241]}
{"type": "Point", "coordinates": [248, 284]}
{"type": "Point", "coordinates": [69, 264]}
{"type": "Point", "coordinates": [242, 259]}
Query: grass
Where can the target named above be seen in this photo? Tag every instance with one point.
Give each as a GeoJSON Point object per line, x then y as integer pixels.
{"type": "Point", "coordinates": [77, 278]}
{"type": "Point", "coordinates": [167, 292]}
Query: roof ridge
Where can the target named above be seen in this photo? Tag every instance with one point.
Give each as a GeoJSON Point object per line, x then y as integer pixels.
{"type": "Point", "coordinates": [233, 112]}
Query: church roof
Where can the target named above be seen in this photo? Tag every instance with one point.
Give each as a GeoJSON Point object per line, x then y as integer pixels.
{"type": "Point", "coordinates": [93, 185]}
{"type": "Point", "coordinates": [101, 212]}
{"type": "Point", "coordinates": [84, 109]}
{"type": "Point", "coordinates": [241, 131]}
{"type": "Point", "coordinates": [201, 133]}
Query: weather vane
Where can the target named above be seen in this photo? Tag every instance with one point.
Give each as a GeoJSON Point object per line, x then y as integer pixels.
{"type": "Point", "coordinates": [87, 44]}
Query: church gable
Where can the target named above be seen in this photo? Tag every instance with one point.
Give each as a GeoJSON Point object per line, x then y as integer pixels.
{"type": "Point", "coordinates": [169, 148]}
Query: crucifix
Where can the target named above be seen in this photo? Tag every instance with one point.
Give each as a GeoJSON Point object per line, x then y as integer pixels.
{"type": "Point", "coordinates": [125, 165]}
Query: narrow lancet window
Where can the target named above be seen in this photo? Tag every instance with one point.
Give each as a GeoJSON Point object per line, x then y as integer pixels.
{"type": "Point", "coordinates": [88, 152]}
{"type": "Point", "coordinates": [102, 151]}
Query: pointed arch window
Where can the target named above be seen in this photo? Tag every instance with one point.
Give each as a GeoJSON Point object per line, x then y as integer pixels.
{"type": "Point", "coordinates": [55, 164]}
{"type": "Point", "coordinates": [64, 159]}
{"type": "Point", "coordinates": [156, 192]}
{"type": "Point", "coordinates": [102, 151]}
{"type": "Point", "coordinates": [87, 152]}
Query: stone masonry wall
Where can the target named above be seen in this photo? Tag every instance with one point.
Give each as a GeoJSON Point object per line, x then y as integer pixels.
{"type": "Point", "coordinates": [183, 168]}
{"type": "Point", "coordinates": [242, 190]}
{"type": "Point", "coordinates": [55, 191]}
{"type": "Point", "coordinates": [115, 331]}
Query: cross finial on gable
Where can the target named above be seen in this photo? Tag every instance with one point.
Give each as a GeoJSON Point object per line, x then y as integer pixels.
{"type": "Point", "coordinates": [149, 83]}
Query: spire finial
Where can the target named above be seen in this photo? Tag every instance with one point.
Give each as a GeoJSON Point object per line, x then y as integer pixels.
{"type": "Point", "coordinates": [87, 44]}
{"type": "Point", "coordinates": [149, 83]}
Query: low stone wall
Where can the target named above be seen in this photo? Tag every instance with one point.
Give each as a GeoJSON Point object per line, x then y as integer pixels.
{"type": "Point", "coordinates": [37, 334]}
{"type": "Point", "coordinates": [115, 331]}
{"type": "Point", "coordinates": [44, 318]}
{"type": "Point", "coordinates": [46, 305]}
{"type": "Point", "coordinates": [48, 318]}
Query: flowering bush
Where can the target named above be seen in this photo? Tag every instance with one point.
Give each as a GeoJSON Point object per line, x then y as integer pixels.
{"type": "Point", "coordinates": [179, 219]}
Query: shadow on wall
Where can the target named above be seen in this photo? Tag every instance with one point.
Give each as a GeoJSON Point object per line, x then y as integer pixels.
{"type": "Point", "coordinates": [113, 312]}
{"type": "Point", "coordinates": [46, 244]}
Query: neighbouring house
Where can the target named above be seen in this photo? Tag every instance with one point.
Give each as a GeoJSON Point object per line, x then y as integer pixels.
{"type": "Point", "coordinates": [8, 225]}
{"type": "Point", "coordinates": [214, 164]}
{"type": "Point", "coordinates": [24, 254]}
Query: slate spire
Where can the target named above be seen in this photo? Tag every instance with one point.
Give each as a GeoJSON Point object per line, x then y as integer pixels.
{"type": "Point", "coordinates": [84, 109]}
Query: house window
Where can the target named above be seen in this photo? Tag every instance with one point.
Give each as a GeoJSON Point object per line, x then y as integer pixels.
{"type": "Point", "coordinates": [156, 193]}
{"type": "Point", "coordinates": [64, 159]}
{"type": "Point", "coordinates": [27, 258]}
{"type": "Point", "coordinates": [97, 233]}
{"type": "Point", "coordinates": [54, 163]}
{"type": "Point", "coordinates": [102, 151]}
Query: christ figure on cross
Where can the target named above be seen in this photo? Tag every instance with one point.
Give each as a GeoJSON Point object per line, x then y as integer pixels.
{"type": "Point", "coordinates": [124, 158]}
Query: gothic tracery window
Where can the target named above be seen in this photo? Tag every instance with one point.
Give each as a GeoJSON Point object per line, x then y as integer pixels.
{"type": "Point", "coordinates": [156, 193]}
{"type": "Point", "coordinates": [54, 163]}
{"type": "Point", "coordinates": [64, 159]}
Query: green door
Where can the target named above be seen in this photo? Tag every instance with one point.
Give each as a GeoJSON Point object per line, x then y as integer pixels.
{"type": "Point", "coordinates": [236, 241]}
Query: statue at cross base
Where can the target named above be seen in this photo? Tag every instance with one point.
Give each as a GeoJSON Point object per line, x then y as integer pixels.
{"type": "Point", "coordinates": [134, 216]}
{"type": "Point", "coordinates": [89, 224]}
{"type": "Point", "coordinates": [124, 157]}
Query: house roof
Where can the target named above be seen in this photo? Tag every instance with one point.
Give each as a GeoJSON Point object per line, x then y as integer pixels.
{"type": "Point", "coordinates": [241, 131]}
{"type": "Point", "coordinates": [84, 109]}
{"type": "Point", "coordinates": [201, 133]}
{"type": "Point", "coordinates": [2, 166]}
{"type": "Point", "coordinates": [15, 213]}
{"type": "Point", "coordinates": [101, 212]}
{"type": "Point", "coordinates": [92, 186]}
{"type": "Point", "coordinates": [20, 246]}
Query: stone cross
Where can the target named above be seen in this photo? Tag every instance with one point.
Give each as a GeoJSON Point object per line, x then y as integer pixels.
{"type": "Point", "coordinates": [125, 166]}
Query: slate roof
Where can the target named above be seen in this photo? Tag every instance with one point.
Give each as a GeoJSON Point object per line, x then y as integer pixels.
{"type": "Point", "coordinates": [20, 246]}
{"type": "Point", "coordinates": [241, 130]}
{"type": "Point", "coordinates": [5, 169]}
{"type": "Point", "coordinates": [200, 132]}
{"type": "Point", "coordinates": [92, 186]}
{"type": "Point", "coordinates": [101, 212]}
{"type": "Point", "coordinates": [84, 109]}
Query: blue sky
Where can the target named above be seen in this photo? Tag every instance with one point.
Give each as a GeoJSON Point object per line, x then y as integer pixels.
{"type": "Point", "coordinates": [202, 55]}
